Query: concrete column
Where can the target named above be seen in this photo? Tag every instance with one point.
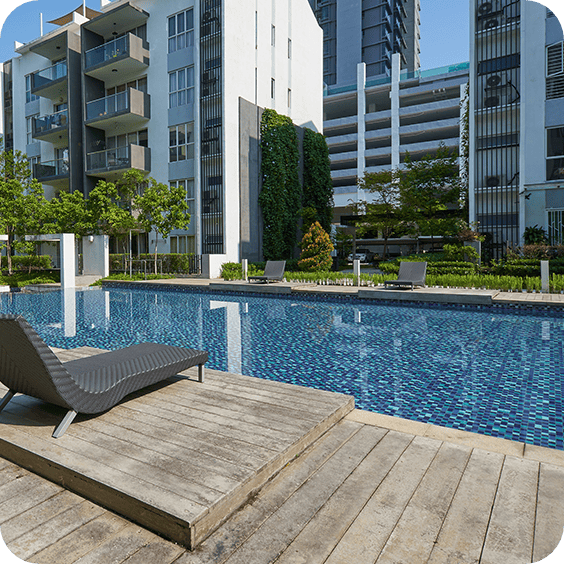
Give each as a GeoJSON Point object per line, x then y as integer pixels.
{"type": "Point", "coordinates": [356, 271]}
{"type": "Point", "coordinates": [394, 96]}
{"type": "Point", "coordinates": [545, 276]}
{"type": "Point", "coordinates": [68, 261]}
{"type": "Point", "coordinates": [361, 125]}
{"type": "Point", "coordinates": [244, 268]}
{"type": "Point", "coordinates": [96, 255]}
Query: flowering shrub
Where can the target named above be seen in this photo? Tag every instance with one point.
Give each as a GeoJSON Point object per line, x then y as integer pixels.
{"type": "Point", "coordinates": [316, 248]}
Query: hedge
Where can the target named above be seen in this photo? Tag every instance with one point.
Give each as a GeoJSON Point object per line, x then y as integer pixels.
{"type": "Point", "coordinates": [26, 262]}
{"type": "Point", "coordinates": [171, 262]}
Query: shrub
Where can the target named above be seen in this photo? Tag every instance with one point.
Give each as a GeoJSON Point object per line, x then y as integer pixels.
{"type": "Point", "coordinates": [316, 248]}
{"type": "Point", "coordinates": [29, 262]}
{"type": "Point", "coordinates": [174, 263]}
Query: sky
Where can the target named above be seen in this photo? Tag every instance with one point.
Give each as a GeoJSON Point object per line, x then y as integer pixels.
{"type": "Point", "coordinates": [444, 25]}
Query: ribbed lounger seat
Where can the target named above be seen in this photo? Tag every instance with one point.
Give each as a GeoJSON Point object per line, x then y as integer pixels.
{"type": "Point", "coordinates": [89, 385]}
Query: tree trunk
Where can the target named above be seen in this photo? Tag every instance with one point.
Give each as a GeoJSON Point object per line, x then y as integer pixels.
{"type": "Point", "coordinates": [9, 253]}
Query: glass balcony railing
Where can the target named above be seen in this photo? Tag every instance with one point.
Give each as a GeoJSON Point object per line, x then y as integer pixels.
{"type": "Point", "coordinates": [108, 51]}
{"type": "Point", "coordinates": [51, 169]}
{"type": "Point", "coordinates": [110, 158]}
{"type": "Point", "coordinates": [43, 125]}
{"type": "Point", "coordinates": [108, 105]}
{"type": "Point", "coordinates": [46, 76]}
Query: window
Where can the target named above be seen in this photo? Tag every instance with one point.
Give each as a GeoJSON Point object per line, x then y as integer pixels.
{"type": "Point", "coordinates": [181, 87]}
{"type": "Point", "coordinates": [187, 185]}
{"type": "Point", "coordinates": [183, 244]}
{"type": "Point", "coordinates": [181, 31]}
{"type": "Point", "coordinates": [32, 162]}
{"type": "Point", "coordinates": [29, 128]}
{"type": "Point", "coordinates": [138, 84]}
{"type": "Point", "coordinates": [135, 138]}
{"type": "Point", "coordinates": [555, 153]}
{"type": "Point", "coordinates": [499, 64]}
{"type": "Point", "coordinates": [272, 87]}
{"type": "Point", "coordinates": [181, 142]}
{"type": "Point", "coordinates": [555, 71]}
{"type": "Point", "coordinates": [29, 97]}
{"type": "Point", "coordinates": [556, 226]}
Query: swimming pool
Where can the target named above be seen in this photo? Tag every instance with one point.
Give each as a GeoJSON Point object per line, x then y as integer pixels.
{"type": "Point", "coordinates": [493, 371]}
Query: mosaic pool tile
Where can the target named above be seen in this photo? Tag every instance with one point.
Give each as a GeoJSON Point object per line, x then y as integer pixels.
{"type": "Point", "coordinates": [495, 370]}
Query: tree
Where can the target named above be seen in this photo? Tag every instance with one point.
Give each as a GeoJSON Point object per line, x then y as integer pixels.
{"type": "Point", "coordinates": [318, 185]}
{"type": "Point", "coordinates": [22, 203]}
{"type": "Point", "coordinates": [162, 208]}
{"type": "Point", "coordinates": [385, 213]}
{"type": "Point", "coordinates": [316, 248]}
{"type": "Point", "coordinates": [68, 213]}
{"type": "Point", "coordinates": [431, 186]}
{"type": "Point", "coordinates": [280, 198]}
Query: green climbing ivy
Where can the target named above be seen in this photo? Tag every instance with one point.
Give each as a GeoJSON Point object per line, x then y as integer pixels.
{"type": "Point", "coordinates": [281, 195]}
{"type": "Point", "coordinates": [318, 187]}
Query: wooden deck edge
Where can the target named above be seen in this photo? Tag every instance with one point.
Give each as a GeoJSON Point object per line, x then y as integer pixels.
{"type": "Point", "coordinates": [209, 522]}
{"type": "Point", "coordinates": [112, 499]}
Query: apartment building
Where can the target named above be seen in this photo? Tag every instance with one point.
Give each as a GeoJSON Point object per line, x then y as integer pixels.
{"type": "Point", "coordinates": [516, 121]}
{"type": "Point", "coordinates": [171, 89]}
{"type": "Point", "coordinates": [371, 125]}
{"type": "Point", "coordinates": [367, 31]}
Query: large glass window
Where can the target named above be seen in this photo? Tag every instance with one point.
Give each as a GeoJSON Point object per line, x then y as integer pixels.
{"type": "Point", "coordinates": [188, 185]}
{"type": "Point", "coordinates": [181, 87]}
{"type": "Point", "coordinates": [555, 153]}
{"type": "Point", "coordinates": [29, 97]}
{"type": "Point", "coordinates": [181, 31]}
{"type": "Point", "coordinates": [181, 142]}
{"type": "Point", "coordinates": [29, 128]}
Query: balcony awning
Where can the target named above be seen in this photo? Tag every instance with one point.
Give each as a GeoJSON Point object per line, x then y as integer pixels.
{"type": "Point", "coordinates": [90, 14]}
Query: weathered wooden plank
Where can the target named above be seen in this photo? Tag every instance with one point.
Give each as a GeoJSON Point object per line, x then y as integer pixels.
{"type": "Point", "coordinates": [216, 404]}
{"type": "Point", "coordinates": [29, 495]}
{"type": "Point", "coordinates": [213, 444]}
{"type": "Point", "coordinates": [232, 534]}
{"type": "Point", "coordinates": [80, 542]}
{"type": "Point", "coordinates": [510, 533]}
{"type": "Point", "coordinates": [422, 519]}
{"type": "Point", "coordinates": [550, 511]}
{"type": "Point", "coordinates": [44, 535]}
{"type": "Point", "coordinates": [366, 537]}
{"type": "Point", "coordinates": [157, 551]}
{"type": "Point", "coordinates": [190, 465]}
{"type": "Point", "coordinates": [285, 524]}
{"type": "Point", "coordinates": [119, 548]}
{"type": "Point", "coordinates": [464, 528]}
{"type": "Point", "coordinates": [9, 474]}
{"type": "Point", "coordinates": [317, 540]}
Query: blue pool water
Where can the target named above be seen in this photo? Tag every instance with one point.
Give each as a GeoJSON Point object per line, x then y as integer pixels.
{"type": "Point", "coordinates": [493, 371]}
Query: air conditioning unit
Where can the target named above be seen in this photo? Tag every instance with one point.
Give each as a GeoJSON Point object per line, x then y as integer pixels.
{"type": "Point", "coordinates": [492, 101]}
{"type": "Point", "coordinates": [492, 181]}
{"type": "Point", "coordinates": [486, 9]}
{"type": "Point", "coordinates": [494, 80]}
{"type": "Point", "coordinates": [491, 23]}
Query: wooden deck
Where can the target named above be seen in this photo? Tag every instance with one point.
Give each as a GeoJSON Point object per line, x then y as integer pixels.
{"type": "Point", "coordinates": [177, 458]}
{"type": "Point", "coordinates": [360, 494]}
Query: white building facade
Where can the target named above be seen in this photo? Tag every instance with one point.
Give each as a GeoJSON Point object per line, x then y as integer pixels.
{"type": "Point", "coordinates": [516, 121]}
{"type": "Point", "coordinates": [370, 126]}
{"type": "Point", "coordinates": [158, 87]}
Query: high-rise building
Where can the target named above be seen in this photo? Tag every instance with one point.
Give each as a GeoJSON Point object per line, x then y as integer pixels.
{"type": "Point", "coordinates": [172, 89]}
{"type": "Point", "coordinates": [516, 122]}
{"type": "Point", "coordinates": [367, 31]}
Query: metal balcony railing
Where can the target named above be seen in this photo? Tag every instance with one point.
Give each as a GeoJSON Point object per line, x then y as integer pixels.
{"type": "Point", "coordinates": [108, 105]}
{"type": "Point", "coordinates": [107, 51]}
{"type": "Point", "coordinates": [50, 74]}
{"type": "Point", "coordinates": [44, 124]}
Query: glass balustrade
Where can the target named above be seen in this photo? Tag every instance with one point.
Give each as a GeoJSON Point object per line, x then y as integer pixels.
{"type": "Point", "coordinates": [107, 51]}
{"type": "Point", "coordinates": [50, 169]}
{"type": "Point", "coordinates": [108, 105]}
{"type": "Point", "coordinates": [50, 74]}
{"type": "Point", "coordinates": [118, 157]}
{"type": "Point", "coordinates": [45, 124]}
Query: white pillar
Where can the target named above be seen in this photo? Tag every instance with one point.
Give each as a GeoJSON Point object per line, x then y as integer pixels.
{"type": "Point", "coordinates": [356, 271]}
{"type": "Point", "coordinates": [68, 299]}
{"type": "Point", "coordinates": [361, 125]}
{"type": "Point", "coordinates": [394, 96]}
{"type": "Point", "coordinates": [545, 276]}
{"type": "Point", "coordinates": [245, 268]}
{"type": "Point", "coordinates": [68, 262]}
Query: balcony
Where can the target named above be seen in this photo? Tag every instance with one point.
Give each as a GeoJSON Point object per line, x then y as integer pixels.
{"type": "Point", "coordinates": [129, 108]}
{"type": "Point", "coordinates": [54, 173]}
{"type": "Point", "coordinates": [124, 55]}
{"type": "Point", "coordinates": [49, 128]}
{"type": "Point", "coordinates": [51, 82]}
{"type": "Point", "coordinates": [113, 162]}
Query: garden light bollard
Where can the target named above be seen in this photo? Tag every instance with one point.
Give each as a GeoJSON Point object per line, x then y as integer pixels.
{"type": "Point", "coordinates": [244, 268]}
{"type": "Point", "coordinates": [544, 276]}
{"type": "Point", "coordinates": [356, 271]}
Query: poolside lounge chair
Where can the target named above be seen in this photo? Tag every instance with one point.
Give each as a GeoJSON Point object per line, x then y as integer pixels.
{"type": "Point", "coordinates": [410, 274]}
{"type": "Point", "coordinates": [273, 272]}
{"type": "Point", "coordinates": [88, 385]}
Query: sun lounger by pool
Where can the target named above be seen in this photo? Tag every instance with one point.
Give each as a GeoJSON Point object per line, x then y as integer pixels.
{"type": "Point", "coordinates": [89, 385]}
{"type": "Point", "coordinates": [273, 272]}
{"type": "Point", "coordinates": [410, 274]}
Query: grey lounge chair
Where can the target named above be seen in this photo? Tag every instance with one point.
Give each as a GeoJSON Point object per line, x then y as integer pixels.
{"type": "Point", "coordinates": [273, 272]}
{"type": "Point", "coordinates": [88, 385]}
{"type": "Point", "coordinates": [410, 274]}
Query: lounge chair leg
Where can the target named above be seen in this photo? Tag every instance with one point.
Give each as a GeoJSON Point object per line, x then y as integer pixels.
{"type": "Point", "coordinates": [64, 424]}
{"type": "Point", "coordinates": [200, 372]}
{"type": "Point", "coordinates": [6, 399]}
